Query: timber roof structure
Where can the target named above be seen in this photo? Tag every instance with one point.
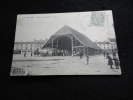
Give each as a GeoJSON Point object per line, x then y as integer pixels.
{"type": "Point", "coordinates": [66, 30]}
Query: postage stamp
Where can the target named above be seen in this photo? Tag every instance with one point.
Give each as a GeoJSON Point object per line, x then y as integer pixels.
{"type": "Point", "coordinates": [97, 18]}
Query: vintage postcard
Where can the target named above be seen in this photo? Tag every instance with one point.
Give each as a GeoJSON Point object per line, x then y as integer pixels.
{"type": "Point", "coordinates": [78, 43]}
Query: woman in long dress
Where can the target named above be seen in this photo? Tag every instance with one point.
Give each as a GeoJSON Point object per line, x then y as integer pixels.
{"type": "Point", "coordinates": [110, 62]}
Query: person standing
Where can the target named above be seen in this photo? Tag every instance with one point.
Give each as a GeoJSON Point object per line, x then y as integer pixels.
{"type": "Point", "coordinates": [37, 54]}
{"type": "Point", "coordinates": [104, 53]}
{"type": "Point", "coordinates": [31, 54]}
{"type": "Point", "coordinates": [34, 54]}
{"type": "Point", "coordinates": [80, 54]}
{"type": "Point", "coordinates": [116, 62]}
{"type": "Point", "coordinates": [114, 55]}
{"type": "Point", "coordinates": [25, 54]}
{"type": "Point", "coordinates": [110, 62]}
{"type": "Point", "coordinates": [87, 59]}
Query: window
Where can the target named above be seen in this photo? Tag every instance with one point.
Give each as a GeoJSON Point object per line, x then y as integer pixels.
{"type": "Point", "coordinates": [100, 44]}
{"type": "Point", "coordinates": [108, 47]}
{"type": "Point", "coordinates": [31, 44]}
{"type": "Point", "coordinates": [104, 47]}
{"type": "Point", "coordinates": [21, 45]}
{"type": "Point", "coordinates": [30, 48]}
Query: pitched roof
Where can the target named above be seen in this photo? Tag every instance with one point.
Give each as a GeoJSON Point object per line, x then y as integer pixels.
{"type": "Point", "coordinates": [96, 46]}
{"type": "Point", "coordinates": [112, 39]}
{"type": "Point", "coordinates": [30, 42]}
{"type": "Point", "coordinates": [63, 31]}
{"type": "Point", "coordinates": [17, 42]}
{"type": "Point", "coordinates": [82, 38]}
{"type": "Point", "coordinates": [40, 41]}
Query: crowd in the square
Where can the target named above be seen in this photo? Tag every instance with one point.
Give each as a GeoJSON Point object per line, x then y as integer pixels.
{"type": "Point", "coordinates": [107, 55]}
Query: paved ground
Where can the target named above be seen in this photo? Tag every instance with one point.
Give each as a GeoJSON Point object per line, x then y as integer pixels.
{"type": "Point", "coordinates": [64, 65]}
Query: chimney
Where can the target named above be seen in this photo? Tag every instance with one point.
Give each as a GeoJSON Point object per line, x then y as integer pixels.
{"type": "Point", "coordinates": [46, 39]}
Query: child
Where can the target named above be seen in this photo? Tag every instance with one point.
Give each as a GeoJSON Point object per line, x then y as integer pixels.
{"type": "Point", "coordinates": [116, 62]}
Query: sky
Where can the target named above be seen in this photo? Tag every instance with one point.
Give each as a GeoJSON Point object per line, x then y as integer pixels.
{"type": "Point", "coordinates": [42, 26]}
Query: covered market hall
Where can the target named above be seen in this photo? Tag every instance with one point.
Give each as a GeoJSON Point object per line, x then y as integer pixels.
{"type": "Point", "coordinates": [68, 41]}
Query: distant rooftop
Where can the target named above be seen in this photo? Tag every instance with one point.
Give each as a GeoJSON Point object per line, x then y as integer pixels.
{"type": "Point", "coordinates": [32, 42]}
{"type": "Point", "coordinates": [103, 42]}
{"type": "Point", "coordinates": [26, 42]}
{"type": "Point", "coordinates": [112, 39]}
{"type": "Point", "coordinates": [40, 41]}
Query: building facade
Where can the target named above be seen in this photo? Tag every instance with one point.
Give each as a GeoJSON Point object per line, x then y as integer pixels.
{"type": "Point", "coordinates": [113, 43]}
{"type": "Point", "coordinates": [108, 45]}
{"type": "Point", "coordinates": [38, 44]}
{"type": "Point", "coordinates": [28, 47]}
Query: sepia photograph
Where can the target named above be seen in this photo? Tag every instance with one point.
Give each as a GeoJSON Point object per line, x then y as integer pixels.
{"type": "Point", "coordinates": [76, 43]}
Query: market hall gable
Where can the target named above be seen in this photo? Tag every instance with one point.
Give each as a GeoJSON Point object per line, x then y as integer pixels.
{"type": "Point", "coordinates": [70, 42]}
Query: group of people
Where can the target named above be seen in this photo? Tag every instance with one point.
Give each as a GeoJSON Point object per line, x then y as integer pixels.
{"type": "Point", "coordinates": [87, 57]}
{"type": "Point", "coordinates": [107, 55]}
{"type": "Point", "coordinates": [110, 60]}
{"type": "Point", "coordinates": [81, 54]}
{"type": "Point", "coordinates": [32, 54]}
{"type": "Point", "coordinates": [59, 52]}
